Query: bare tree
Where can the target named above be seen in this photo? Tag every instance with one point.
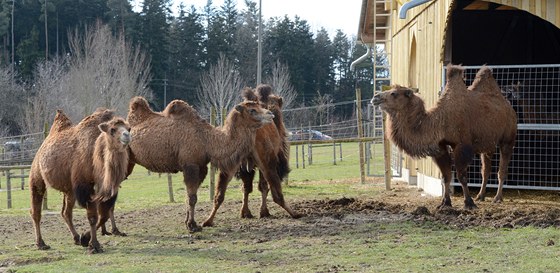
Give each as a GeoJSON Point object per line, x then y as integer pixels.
{"type": "Point", "coordinates": [11, 100]}
{"type": "Point", "coordinates": [280, 82]}
{"type": "Point", "coordinates": [101, 71]}
{"type": "Point", "coordinates": [324, 107]}
{"type": "Point", "coordinates": [220, 87]}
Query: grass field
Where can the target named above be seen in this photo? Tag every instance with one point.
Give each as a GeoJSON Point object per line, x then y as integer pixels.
{"type": "Point", "coordinates": [348, 227]}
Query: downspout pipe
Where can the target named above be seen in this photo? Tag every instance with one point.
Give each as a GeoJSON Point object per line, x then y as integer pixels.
{"type": "Point", "coordinates": [408, 5]}
{"type": "Point", "coordinates": [360, 59]}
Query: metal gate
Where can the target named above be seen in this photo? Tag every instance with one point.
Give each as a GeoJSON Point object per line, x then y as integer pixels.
{"type": "Point", "coordinates": [534, 92]}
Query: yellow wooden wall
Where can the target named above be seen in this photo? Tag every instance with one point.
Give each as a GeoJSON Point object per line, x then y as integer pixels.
{"type": "Point", "coordinates": [427, 24]}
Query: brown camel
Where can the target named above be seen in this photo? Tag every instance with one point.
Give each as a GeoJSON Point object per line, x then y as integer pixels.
{"type": "Point", "coordinates": [65, 161]}
{"type": "Point", "coordinates": [179, 140]}
{"type": "Point", "coordinates": [111, 154]}
{"type": "Point", "coordinates": [470, 121]}
{"type": "Point", "coordinates": [270, 154]}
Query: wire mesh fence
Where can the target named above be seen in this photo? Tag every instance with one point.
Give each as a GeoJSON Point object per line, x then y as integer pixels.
{"type": "Point", "coordinates": [534, 92]}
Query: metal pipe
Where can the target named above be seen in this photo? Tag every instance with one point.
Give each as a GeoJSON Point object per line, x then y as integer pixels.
{"type": "Point", "coordinates": [361, 59]}
{"type": "Point", "coordinates": [408, 5]}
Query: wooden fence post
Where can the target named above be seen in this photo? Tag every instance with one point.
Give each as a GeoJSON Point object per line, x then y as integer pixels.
{"type": "Point", "coordinates": [170, 188]}
{"type": "Point", "coordinates": [9, 189]}
{"type": "Point", "coordinates": [360, 133]}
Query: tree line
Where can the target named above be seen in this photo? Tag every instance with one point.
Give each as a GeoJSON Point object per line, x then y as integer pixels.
{"type": "Point", "coordinates": [68, 53]}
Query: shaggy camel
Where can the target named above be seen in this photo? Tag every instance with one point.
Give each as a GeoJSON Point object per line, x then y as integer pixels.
{"type": "Point", "coordinates": [470, 121]}
{"type": "Point", "coordinates": [112, 155]}
{"type": "Point", "coordinates": [179, 140]}
{"type": "Point", "coordinates": [65, 161]}
{"type": "Point", "coordinates": [270, 154]}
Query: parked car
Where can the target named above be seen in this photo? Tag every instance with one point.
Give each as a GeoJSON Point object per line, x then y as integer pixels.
{"type": "Point", "coordinates": [307, 135]}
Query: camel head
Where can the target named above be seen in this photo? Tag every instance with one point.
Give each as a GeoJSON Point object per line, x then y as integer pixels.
{"type": "Point", "coordinates": [398, 98]}
{"type": "Point", "coordinates": [253, 114]}
{"type": "Point", "coordinates": [117, 131]}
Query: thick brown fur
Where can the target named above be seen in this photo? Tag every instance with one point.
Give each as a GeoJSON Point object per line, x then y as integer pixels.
{"type": "Point", "coordinates": [470, 120]}
{"type": "Point", "coordinates": [173, 142]}
{"type": "Point", "coordinates": [270, 154]}
{"type": "Point", "coordinates": [65, 162]}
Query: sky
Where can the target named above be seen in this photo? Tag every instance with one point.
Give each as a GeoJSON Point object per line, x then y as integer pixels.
{"type": "Point", "coordinates": [329, 14]}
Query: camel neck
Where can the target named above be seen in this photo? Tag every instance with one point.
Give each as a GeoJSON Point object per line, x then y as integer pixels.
{"type": "Point", "coordinates": [416, 131]}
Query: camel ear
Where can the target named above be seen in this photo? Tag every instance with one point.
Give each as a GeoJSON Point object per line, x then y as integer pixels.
{"type": "Point", "coordinates": [104, 127]}
{"type": "Point", "coordinates": [408, 93]}
{"type": "Point", "coordinates": [280, 102]}
{"type": "Point", "coordinates": [239, 108]}
{"type": "Point", "coordinates": [415, 90]}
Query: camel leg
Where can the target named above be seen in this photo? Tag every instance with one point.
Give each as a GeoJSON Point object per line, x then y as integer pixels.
{"type": "Point", "coordinates": [506, 152]}
{"type": "Point", "coordinates": [486, 160]}
{"type": "Point", "coordinates": [191, 178]}
{"type": "Point", "coordinates": [463, 157]}
{"type": "Point", "coordinates": [106, 212]}
{"type": "Point", "coordinates": [264, 189]}
{"type": "Point", "coordinates": [67, 209]}
{"type": "Point", "coordinates": [247, 177]}
{"type": "Point", "coordinates": [275, 183]}
{"type": "Point", "coordinates": [93, 245]}
{"type": "Point", "coordinates": [38, 188]}
{"type": "Point", "coordinates": [221, 187]}
{"type": "Point", "coordinates": [444, 162]}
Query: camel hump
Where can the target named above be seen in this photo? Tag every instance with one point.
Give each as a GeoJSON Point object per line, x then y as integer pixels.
{"type": "Point", "coordinates": [61, 122]}
{"type": "Point", "coordinates": [179, 109]}
{"type": "Point", "coordinates": [139, 110]}
{"type": "Point", "coordinates": [248, 94]}
{"type": "Point", "coordinates": [263, 92]}
{"type": "Point", "coordinates": [454, 70]}
{"type": "Point", "coordinates": [484, 82]}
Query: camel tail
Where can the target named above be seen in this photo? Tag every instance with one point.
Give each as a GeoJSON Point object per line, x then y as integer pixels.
{"type": "Point", "coordinates": [283, 167]}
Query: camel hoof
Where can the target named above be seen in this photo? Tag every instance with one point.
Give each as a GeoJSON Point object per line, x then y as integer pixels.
{"type": "Point", "coordinates": [480, 198]}
{"type": "Point", "coordinates": [42, 246]}
{"type": "Point", "coordinates": [444, 205]}
{"type": "Point", "coordinates": [265, 214]}
{"type": "Point", "coordinates": [77, 240]}
{"type": "Point", "coordinates": [470, 206]}
{"type": "Point", "coordinates": [297, 215]}
{"type": "Point", "coordinates": [497, 200]}
{"type": "Point", "coordinates": [85, 238]}
{"type": "Point", "coordinates": [106, 233]}
{"type": "Point", "coordinates": [194, 228]}
{"type": "Point", "coordinates": [208, 223]}
{"type": "Point", "coordinates": [95, 248]}
{"type": "Point", "coordinates": [117, 232]}
{"type": "Point", "coordinates": [246, 214]}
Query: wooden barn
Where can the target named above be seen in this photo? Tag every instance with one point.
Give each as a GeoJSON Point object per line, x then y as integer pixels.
{"type": "Point", "coordinates": [518, 39]}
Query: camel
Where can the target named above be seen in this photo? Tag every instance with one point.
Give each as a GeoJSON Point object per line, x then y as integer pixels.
{"type": "Point", "coordinates": [65, 161]}
{"type": "Point", "coordinates": [270, 154]}
{"type": "Point", "coordinates": [113, 155]}
{"type": "Point", "coordinates": [178, 139]}
{"type": "Point", "coordinates": [471, 120]}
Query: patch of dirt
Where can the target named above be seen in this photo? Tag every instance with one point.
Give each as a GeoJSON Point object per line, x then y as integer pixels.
{"type": "Point", "coordinates": [322, 217]}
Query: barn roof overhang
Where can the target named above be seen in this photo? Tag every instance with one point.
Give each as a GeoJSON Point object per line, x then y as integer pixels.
{"type": "Point", "coordinates": [367, 34]}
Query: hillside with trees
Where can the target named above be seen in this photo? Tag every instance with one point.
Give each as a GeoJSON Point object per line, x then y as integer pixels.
{"type": "Point", "coordinates": [79, 55]}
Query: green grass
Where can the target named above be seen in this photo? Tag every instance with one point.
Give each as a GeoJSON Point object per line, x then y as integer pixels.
{"type": "Point", "coordinates": [159, 242]}
{"type": "Point", "coordinates": [152, 190]}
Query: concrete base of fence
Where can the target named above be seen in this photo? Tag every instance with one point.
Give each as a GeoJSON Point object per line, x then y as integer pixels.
{"type": "Point", "coordinates": [406, 177]}
{"type": "Point", "coordinates": [430, 185]}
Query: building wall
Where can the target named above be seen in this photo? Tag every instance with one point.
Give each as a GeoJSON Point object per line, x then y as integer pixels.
{"type": "Point", "coordinates": [424, 28]}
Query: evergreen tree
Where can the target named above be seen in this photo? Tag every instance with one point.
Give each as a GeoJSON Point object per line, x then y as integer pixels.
{"type": "Point", "coordinates": [323, 71]}
{"type": "Point", "coordinates": [155, 41]}
{"type": "Point", "coordinates": [246, 44]}
{"type": "Point", "coordinates": [187, 55]}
